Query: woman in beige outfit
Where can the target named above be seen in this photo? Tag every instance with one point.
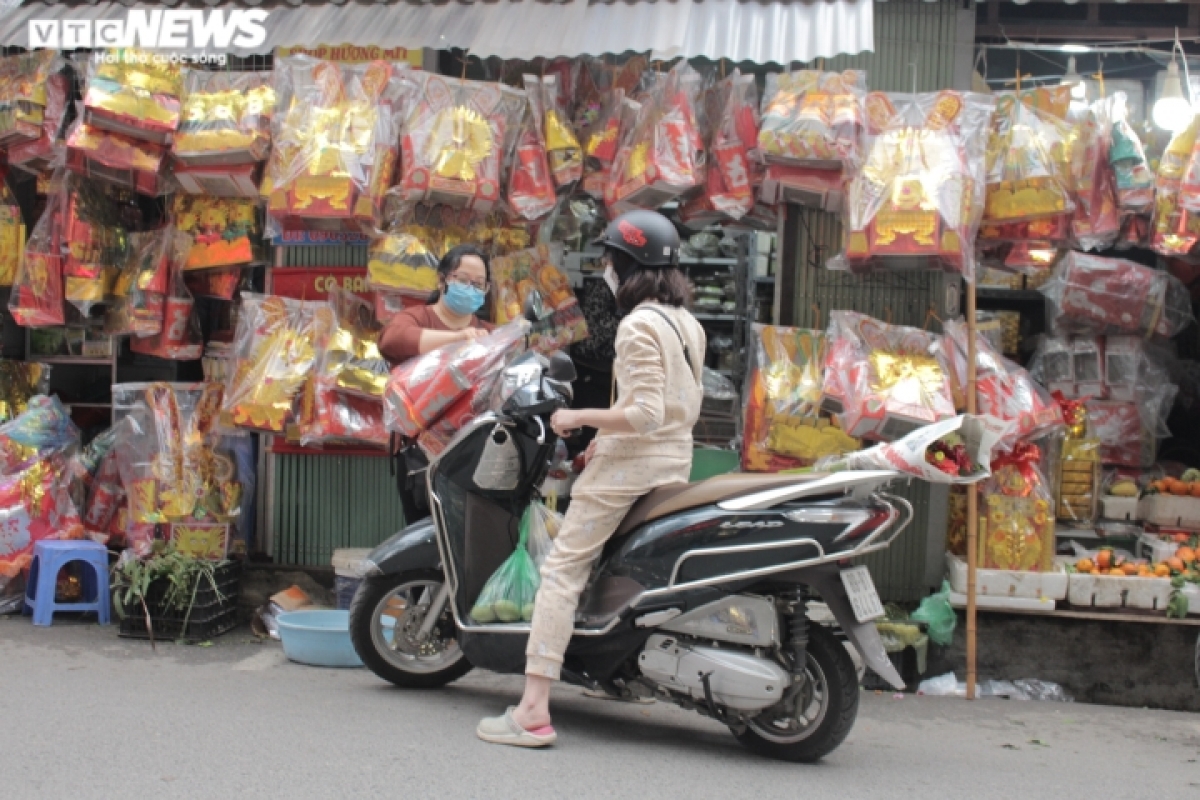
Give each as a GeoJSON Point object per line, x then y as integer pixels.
{"type": "Point", "coordinates": [644, 441]}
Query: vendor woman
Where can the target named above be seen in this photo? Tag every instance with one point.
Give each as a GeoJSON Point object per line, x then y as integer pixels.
{"type": "Point", "coordinates": [464, 278]}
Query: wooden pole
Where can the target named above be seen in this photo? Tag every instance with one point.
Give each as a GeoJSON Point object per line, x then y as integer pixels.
{"type": "Point", "coordinates": [972, 500]}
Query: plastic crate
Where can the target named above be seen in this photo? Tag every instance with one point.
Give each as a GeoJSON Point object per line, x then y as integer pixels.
{"type": "Point", "coordinates": [211, 615]}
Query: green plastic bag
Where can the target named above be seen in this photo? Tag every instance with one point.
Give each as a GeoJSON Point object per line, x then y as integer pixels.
{"type": "Point", "coordinates": [937, 613]}
{"type": "Point", "coordinates": [508, 595]}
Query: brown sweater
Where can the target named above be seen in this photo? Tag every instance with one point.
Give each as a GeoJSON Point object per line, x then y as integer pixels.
{"type": "Point", "coordinates": [401, 339]}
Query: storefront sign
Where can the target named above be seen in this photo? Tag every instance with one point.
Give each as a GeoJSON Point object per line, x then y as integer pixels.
{"type": "Point", "coordinates": [314, 283]}
{"type": "Point", "coordinates": [356, 54]}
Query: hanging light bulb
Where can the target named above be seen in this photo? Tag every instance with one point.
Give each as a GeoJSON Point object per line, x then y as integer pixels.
{"type": "Point", "coordinates": [1172, 111]}
{"type": "Point", "coordinates": [1073, 79]}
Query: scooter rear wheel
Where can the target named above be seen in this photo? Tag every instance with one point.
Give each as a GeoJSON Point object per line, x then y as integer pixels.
{"type": "Point", "coordinates": [386, 615]}
{"type": "Point", "coordinates": [814, 723]}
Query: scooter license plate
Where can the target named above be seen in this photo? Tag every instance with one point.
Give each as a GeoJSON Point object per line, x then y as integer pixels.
{"type": "Point", "coordinates": [863, 597]}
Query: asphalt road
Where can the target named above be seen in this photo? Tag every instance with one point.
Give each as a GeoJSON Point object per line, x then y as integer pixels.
{"type": "Point", "coordinates": [88, 715]}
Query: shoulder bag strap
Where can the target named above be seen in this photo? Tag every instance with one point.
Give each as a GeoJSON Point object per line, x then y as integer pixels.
{"type": "Point", "coordinates": [687, 354]}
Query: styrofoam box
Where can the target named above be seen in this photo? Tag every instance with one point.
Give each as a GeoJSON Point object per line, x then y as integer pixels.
{"type": "Point", "coordinates": [350, 562]}
{"type": "Point", "coordinates": [1171, 511]}
{"type": "Point", "coordinates": [1110, 591]}
{"type": "Point", "coordinates": [986, 603]}
{"type": "Point", "coordinates": [1120, 508]}
{"type": "Point", "coordinates": [1008, 583]}
{"type": "Point", "coordinates": [1154, 548]}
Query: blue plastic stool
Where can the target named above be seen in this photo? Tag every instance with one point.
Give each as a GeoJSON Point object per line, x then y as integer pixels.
{"type": "Point", "coordinates": [49, 557]}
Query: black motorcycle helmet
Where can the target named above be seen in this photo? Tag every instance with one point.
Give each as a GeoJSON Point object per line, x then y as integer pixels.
{"type": "Point", "coordinates": [647, 237]}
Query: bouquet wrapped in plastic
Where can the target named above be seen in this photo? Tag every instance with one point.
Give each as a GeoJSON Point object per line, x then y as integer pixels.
{"type": "Point", "coordinates": [1028, 159]}
{"type": "Point", "coordinates": [1094, 295]}
{"type": "Point", "coordinates": [955, 451]}
{"type": "Point", "coordinates": [1017, 514]}
{"type": "Point", "coordinates": [554, 124]}
{"type": "Point", "coordinates": [422, 389]}
{"type": "Point", "coordinates": [919, 194]}
{"type": "Point", "coordinates": [729, 185]}
{"type": "Point", "coordinates": [661, 153]}
{"type": "Point", "coordinates": [19, 382]}
{"type": "Point", "coordinates": [336, 142]}
{"type": "Point", "coordinates": [537, 269]}
{"type": "Point", "coordinates": [37, 154]}
{"type": "Point", "coordinates": [134, 93]}
{"type": "Point", "coordinates": [402, 264]}
{"type": "Point", "coordinates": [12, 237]}
{"type": "Point", "coordinates": [1004, 390]}
{"type": "Point", "coordinates": [127, 162]}
{"type": "Point", "coordinates": [221, 230]}
{"type": "Point", "coordinates": [44, 430]}
{"type": "Point", "coordinates": [226, 118]}
{"type": "Point", "coordinates": [172, 468]}
{"type": "Point", "coordinates": [1175, 229]}
{"type": "Point", "coordinates": [784, 428]}
{"type": "Point", "coordinates": [456, 139]}
{"type": "Point", "coordinates": [179, 338]}
{"type": "Point", "coordinates": [137, 298]}
{"type": "Point", "coordinates": [884, 380]}
{"type": "Point", "coordinates": [531, 192]}
{"type": "Point", "coordinates": [26, 85]}
{"type": "Point", "coordinates": [37, 289]}
{"type": "Point", "coordinates": [273, 353]}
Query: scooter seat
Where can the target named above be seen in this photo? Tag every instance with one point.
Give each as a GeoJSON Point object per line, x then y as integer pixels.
{"type": "Point", "coordinates": [676, 497]}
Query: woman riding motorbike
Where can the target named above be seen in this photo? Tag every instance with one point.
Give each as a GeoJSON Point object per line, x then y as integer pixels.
{"type": "Point", "coordinates": [464, 279]}
{"type": "Point", "coordinates": [644, 441]}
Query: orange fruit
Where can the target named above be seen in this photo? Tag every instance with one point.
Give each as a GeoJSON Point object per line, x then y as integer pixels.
{"type": "Point", "coordinates": [1179, 538]}
{"type": "Point", "coordinates": [1162, 571]}
{"type": "Point", "coordinates": [1129, 569]}
{"type": "Point", "coordinates": [1085, 565]}
{"type": "Point", "coordinates": [1176, 564]}
{"type": "Point", "coordinates": [1116, 572]}
{"type": "Point", "coordinates": [1104, 559]}
{"type": "Point", "coordinates": [1186, 554]}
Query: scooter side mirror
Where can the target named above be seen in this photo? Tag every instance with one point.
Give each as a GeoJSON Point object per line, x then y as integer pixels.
{"type": "Point", "coordinates": [561, 368]}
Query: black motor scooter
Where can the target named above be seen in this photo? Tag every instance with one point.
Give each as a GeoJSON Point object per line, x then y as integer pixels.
{"type": "Point", "coordinates": [700, 597]}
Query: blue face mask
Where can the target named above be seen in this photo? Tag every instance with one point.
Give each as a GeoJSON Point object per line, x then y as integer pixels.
{"type": "Point", "coordinates": [462, 298]}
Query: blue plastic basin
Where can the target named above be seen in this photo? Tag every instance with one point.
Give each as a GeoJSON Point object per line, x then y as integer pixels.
{"type": "Point", "coordinates": [318, 638]}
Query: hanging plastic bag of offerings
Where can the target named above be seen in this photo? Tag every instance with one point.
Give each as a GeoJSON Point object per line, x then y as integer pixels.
{"type": "Point", "coordinates": [918, 198]}
{"type": "Point", "coordinates": [1131, 170]}
{"type": "Point", "coordinates": [37, 155]}
{"type": "Point", "coordinates": [134, 164]}
{"type": "Point", "coordinates": [400, 263]}
{"type": "Point", "coordinates": [274, 349]}
{"type": "Point", "coordinates": [97, 239]}
{"type": "Point", "coordinates": [336, 141]}
{"type": "Point", "coordinates": [179, 338]}
{"type": "Point", "coordinates": [515, 276]}
{"type": "Point", "coordinates": [887, 379]}
{"type": "Point", "coordinates": [661, 155]}
{"type": "Point", "coordinates": [811, 134]}
{"type": "Point", "coordinates": [1028, 158]}
{"type": "Point", "coordinates": [603, 139]}
{"type": "Point", "coordinates": [530, 185]}
{"type": "Point", "coordinates": [225, 132]}
{"type": "Point", "coordinates": [1096, 222]}
{"type": "Point", "coordinates": [37, 297]}
{"type": "Point", "coordinates": [134, 93]}
{"type": "Point", "coordinates": [27, 83]}
{"type": "Point", "coordinates": [1174, 229]}
{"type": "Point", "coordinates": [12, 237]}
{"type": "Point", "coordinates": [554, 127]}
{"type": "Point", "coordinates": [456, 139]}
{"type": "Point", "coordinates": [732, 175]}
{"type": "Point", "coordinates": [137, 297]}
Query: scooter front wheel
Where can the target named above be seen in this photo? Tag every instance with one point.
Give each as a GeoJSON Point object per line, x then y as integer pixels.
{"type": "Point", "coordinates": [387, 628]}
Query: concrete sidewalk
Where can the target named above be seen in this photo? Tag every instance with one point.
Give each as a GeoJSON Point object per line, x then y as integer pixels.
{"type": "Point", "coordinates": [88, 715]}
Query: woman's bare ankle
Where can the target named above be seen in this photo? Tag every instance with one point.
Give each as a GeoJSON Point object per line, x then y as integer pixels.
{"type": "Point", "coordinates": [531, 718]}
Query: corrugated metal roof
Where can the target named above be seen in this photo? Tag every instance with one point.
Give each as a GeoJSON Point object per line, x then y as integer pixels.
{"type": "Point", "coordinates": [762, 31]}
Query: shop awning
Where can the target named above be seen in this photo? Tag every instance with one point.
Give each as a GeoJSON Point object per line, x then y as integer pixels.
{"type": "Point", "coordinates": [762, 31]}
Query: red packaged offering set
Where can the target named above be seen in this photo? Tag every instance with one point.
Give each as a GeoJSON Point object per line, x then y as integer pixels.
{"type": "Point", "coordinates": [134, 93]}
{"type": "Point", "coordinates": [731, 174]}
{"type": "Point", "coordinates": [662, 153]}
{"type": "Point", "coordinates": [456, 140]}
{"type": "Point", "coordinates": [530, 186]}
{"type": "Point", "coordinates": [920, 192]}
{"type": "Point", "coordinates": [26, 85]}
{"type": "Point", "coordinates": [37, 292]}
{"type": "Point", "coordinates": [137, 298]}
{"type": "Point", "coordinates": [336, 143]}
{"type": "Point", "coordinates": [179, 337]}
{"type": "Point", "coordinates": [36, 155]}
{"type": "Point", "coordinates": [888, 379]}
{"type": "Point", "coordinates": [140, 166]}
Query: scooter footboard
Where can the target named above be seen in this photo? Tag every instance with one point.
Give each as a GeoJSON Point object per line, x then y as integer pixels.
{"type": "Point", "coordinates": [863, 635]}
